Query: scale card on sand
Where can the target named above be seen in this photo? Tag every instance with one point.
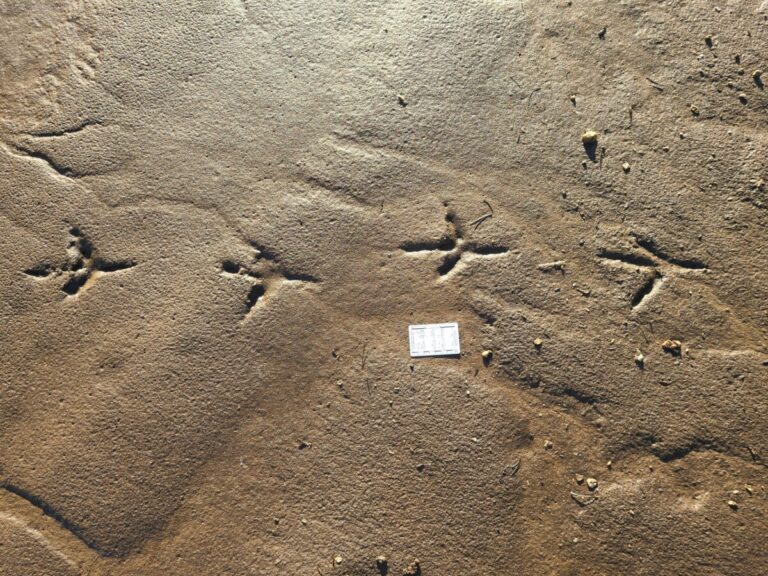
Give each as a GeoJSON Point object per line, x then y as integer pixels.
{"type": "Point", "coordinates": [434, 339]}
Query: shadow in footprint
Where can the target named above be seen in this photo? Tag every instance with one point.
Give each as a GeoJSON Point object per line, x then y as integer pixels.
{"type": "Point", "coordinates": [591, 149]}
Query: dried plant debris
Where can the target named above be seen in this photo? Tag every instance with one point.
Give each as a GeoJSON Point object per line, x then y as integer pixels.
{"type": "Point", "coordinates": [511, 469]}
{"type": "Point", "coordinates": [583, 499]}
{"type": "Point", "coordinates": [557, 265]}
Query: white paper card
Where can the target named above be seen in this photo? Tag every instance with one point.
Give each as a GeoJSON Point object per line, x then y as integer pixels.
{"type": "Point", "coordinates": [434, 339]}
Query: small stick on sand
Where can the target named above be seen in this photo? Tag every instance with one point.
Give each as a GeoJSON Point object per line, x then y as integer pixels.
{"type": "Point", "coordinates": [477, 221]}
{"type": "Point", "coordinates": [655, 84]}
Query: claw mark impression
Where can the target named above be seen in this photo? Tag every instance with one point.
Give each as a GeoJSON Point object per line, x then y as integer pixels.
{"type": "Point", "coordinates": [82, 266]}
{"type": "Point", "coordinates": [656, 264]}
{"type": "Point", "coordinates": [454, 246]}
{"type": "Point", "coordinates": [265, 273]}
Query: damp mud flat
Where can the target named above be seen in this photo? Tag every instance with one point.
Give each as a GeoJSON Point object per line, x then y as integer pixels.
{"type": "Point", "coordinates": [220, 219]}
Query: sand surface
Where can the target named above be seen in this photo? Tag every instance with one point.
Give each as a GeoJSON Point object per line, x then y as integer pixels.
{"type": "Point", "coordinates": [219, 218]}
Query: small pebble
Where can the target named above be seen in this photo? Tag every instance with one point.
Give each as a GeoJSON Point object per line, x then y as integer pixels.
{"type": "Point", "coordinates": [382, 564]}
{"type": "Point", "coordinates": [743, 98]}
{"type": "Point", "coordinates": [695, 110]}
{"type": "Point", "coordinates": [579, 479]}
{"type": "Point", "coordinates": [626, 167]}
{"type": "Point", "coordinates": [640, 359]}
{"type": "Point", "coordinates": [413, 569]}
{"type": "Point", "coordinates": [538, 342]}
{"type": "Point", "coordinates": [733, 504]}
{"type": "Point", "coordinates": [338, 560]}
{"type": "Point", "coordinates": [591, 484]}
{"type": "Point", "coordinates": [673, 347]}
{"type": "Point", "coordinates": [590, 137]}
{"type": "Point", "coordinates": [548, 444]}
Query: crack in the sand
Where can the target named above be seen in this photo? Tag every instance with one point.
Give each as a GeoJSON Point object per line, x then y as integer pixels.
{"type": "Point", "coordinates": [47, 509]}
{"type": "Point", "coordinates": [65, 131]}
{"type": "Point", "coordinates": [60, 169]}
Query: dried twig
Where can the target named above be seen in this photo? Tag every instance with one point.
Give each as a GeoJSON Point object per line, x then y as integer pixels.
{"type": "Point", "coordinates": [477, 221]}
{"type": "Point", "coordinates": [558, 265]}
{"type": "Point", "coordinates": [511, 469]}
{"type": "Point", "coordinates": [655, 84]}
{"type": "Point", "coordinates": [582, 499]}
{"type": "Point", "coordinates": [531, 94]}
